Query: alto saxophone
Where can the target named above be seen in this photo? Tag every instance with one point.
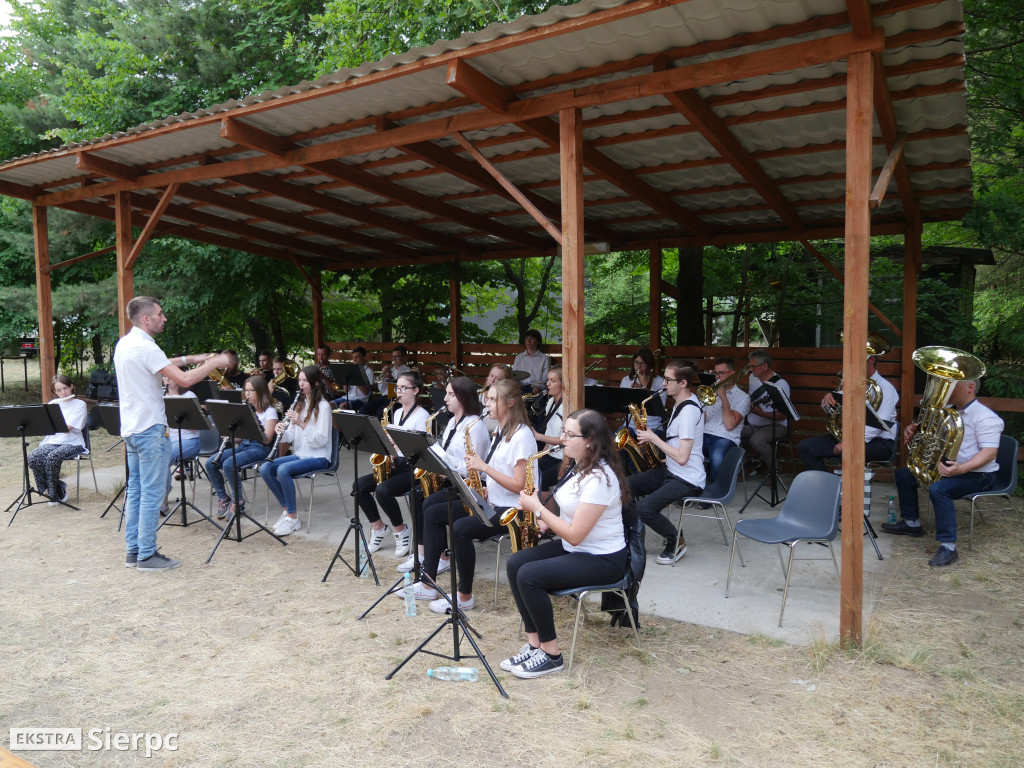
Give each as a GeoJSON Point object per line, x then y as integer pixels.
{"type": "Point", "coordinates": [522, 525]}
{"type": "Point", "coordinates": [472, 475]}
{"type": "Point", "coordinates": [644, 456]}
{"type": "Point", "coordinates": [380, 463]}
{"type": "Point", "coordinates": [430, 482]}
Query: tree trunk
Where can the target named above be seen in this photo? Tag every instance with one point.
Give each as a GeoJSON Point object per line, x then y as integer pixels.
{"type": "Point", "coordinates": [690, 306]}
{"type": "Point", "coordinates": [97, 350]}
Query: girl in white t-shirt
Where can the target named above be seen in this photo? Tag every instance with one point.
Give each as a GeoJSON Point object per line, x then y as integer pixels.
{"type": "Point", "coordinates": [54, 450]}
{"type": "Point", "coordinates": [592, 549]}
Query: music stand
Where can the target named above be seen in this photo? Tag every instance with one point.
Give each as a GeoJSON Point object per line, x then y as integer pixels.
{"type": "Point", "coordinates": [110, 418]}
{"type": "Point", "coordinates": [358, 432]}
{"type": "Point", "coordinates": [432, 460]}
{"type": "Point", "coordinates": [185, 413]}
{"type": "Point", "coordinates": [236, 420]}
{"type": "Point", "coordinates": [780, 402]}
{"type": "Point", "coordinates": [349, 375]}
{"type": "Point", "coordinates": [26, 421]}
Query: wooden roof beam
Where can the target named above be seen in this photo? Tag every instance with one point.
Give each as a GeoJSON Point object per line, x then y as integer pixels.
{"type": "Point", "coordinates": [101, 166]}
{"type": "Point", "coordinates": [885, 175]}
{"type": "Point", "coordinates": [235, 130]}
{"type": "Point", "coordinates": [150, 228]}
{"type": "Point", "coordinates": [886, 116]}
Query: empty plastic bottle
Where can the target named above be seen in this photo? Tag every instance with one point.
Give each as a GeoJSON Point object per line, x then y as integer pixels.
{"type": "Point", "coordinates": [454, 673]}
{"type": "Point", "coordinates": [892, 510]}
{"type": "Point", "coordinates": [364, 563]}
{"type": "Point", "coordinates": [409, 593]}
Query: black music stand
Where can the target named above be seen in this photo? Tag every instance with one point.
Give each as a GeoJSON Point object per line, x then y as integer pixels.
{"type": "Point", "coordinates": [780, 402]}
{"type": "Point", "coordinates": [210, 390]}
{"type": "Point", "coordinates": [185, 413]}
{"type": "Point", "coordinates": [350, 375]}
{"type": "Point", "coordinates": [415, 447]}
{"type": "Point", "coordinates": [110, 418]}
{"type": "Point", "coordinates": [27, 421]}
{"type": "Point", "coordinates": [236, 420]}
{"type": "Point", "coordinates": [358, 432]}
{"type": "Point", "coordinates": [433, 461]}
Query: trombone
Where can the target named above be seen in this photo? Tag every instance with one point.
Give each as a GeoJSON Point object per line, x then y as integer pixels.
{"type": "Point", "coordinates": [708, 395]}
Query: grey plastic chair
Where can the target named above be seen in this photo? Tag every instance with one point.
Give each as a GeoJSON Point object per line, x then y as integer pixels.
{"type": "Point", "coordinates": [810, 513]}
{"type": "Point", "coordinates": [718, 494]}
{"type": "Point", "coordinates": [1006, 481]}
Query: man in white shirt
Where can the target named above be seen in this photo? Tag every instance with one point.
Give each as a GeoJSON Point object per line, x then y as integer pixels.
{"type": "Point", "coordinates": [355, 397]}
{"type": "Point", "coordinates": [723, 421]}
{"type": "Point", "coordinates": [533, 361]}
{"type": "Point", "coordinates": [878, 444]}
{"type": "Point", "coordinates": [973, 471]}
{"type": "Point", "coordinates": [140, 364]}
{"type": "Point", "coordinates": [375, 405]}
{"type": "Point", "coordinates": [764, 424]}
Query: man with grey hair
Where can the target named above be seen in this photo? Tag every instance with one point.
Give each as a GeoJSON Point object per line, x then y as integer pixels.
{"type": "Point", "coordinates": [973, 470]}
{"type": "Point", "coordinates": [764, 423]}
{"type": "Point", "coordinates": [140, 366]}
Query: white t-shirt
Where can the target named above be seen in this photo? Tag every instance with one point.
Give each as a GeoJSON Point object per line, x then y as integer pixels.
{"type": "Point", "coordinates": [138, 362]}
{"type": "Point", "coordinates": [763, 402]}
{"type": "Point", "coordinates": [416, 421]}
{"type": "Point", "coordinates": [392, 373]}
{"type": "Point", "coordinates": [314, 440]}
{"type": "Point", "coordinates": [887, 409]}
{"type": "Point", "coordinates": [687, 425]}
{"type": "Point", "coordinates": [982, 428]}
{"type": "Point", "coordinates": [354, 393]}
{"type": "Point", "coordinates": [553, 428]}
{"type": "Point", "coordinates": [74, 411]}
{"type": "Point", "coordinates": [456, 443]}
{"type": "Point", "coordinates": [186, 434]}
{"type": "Point", "coordinates": [504, 459]}
{"type": "Point", "coordinates": [596, 487]}
{"type": "Point", "coordinates": [653, 421]}
{"type": "Point", "coordinates": [537, 365]}
{"type": "Point", "coordinates": [714, 423]}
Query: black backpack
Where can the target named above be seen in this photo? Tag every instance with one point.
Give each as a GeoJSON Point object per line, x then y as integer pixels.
{"type": "Point", "coordinates": [637, 550]}
{"type": "Point", "coordinates": [102, 385]}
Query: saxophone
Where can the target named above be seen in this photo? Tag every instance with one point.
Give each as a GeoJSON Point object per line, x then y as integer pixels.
{"type": "Point", "coordinates": [472, 475]}
{"type": "Point", "coordinates": [380, 463]}
{"type": "Point", "coordinates": [522, 525]}
{"type": "Point", "coordinates": [940, 429]}
{"type": "Point", "coordinates": [644, 456]}
{"type": "Point", "coordinates": [430, 482]}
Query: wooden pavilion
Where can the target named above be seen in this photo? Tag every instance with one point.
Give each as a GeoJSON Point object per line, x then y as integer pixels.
{"type": "Point", "coordinates": [603, 125]}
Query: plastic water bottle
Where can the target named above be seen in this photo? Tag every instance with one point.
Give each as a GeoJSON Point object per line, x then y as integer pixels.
{"type": "Point", "coordinates": [409, 593]}
{"type": "Point", "coordinates": [892, 510]}
{"type": "Point", "coordinates": [454, 673]}
{"type": "Point", "coordinates": [364, 562]}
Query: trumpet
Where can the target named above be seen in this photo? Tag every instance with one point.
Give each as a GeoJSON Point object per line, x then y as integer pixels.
{"type": "Point", "coordinates": [708, 395]}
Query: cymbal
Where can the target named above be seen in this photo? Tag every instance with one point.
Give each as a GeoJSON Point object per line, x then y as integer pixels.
{"type": "Point", "coordinates": [520, 375]}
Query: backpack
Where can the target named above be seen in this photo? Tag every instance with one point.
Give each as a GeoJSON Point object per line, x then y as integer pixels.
{"type": "Point", "coordinates": [637, 564]}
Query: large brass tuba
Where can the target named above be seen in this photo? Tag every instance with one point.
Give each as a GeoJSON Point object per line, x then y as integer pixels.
{"type": "Point", "coordinates": [708, 396]}
{"type": "Point", "coordinates": [380, 463]}
{"type": "Point", "coordinates": [876, 345]}
{"type": "Point", "coordinates": [644, 456]}
{"type": "Point", "coordinates": [940, 429]}
{"type": "Point", "coordinates": [522, 525]}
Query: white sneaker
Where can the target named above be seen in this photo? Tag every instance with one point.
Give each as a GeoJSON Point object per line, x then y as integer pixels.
{"type": "Point", "coordinates": [406, 566]}
{"type": "Point", "coordinates": [281, 519]}
{"type": "Point", "coordinates": [421, 591]}
{"type": "Point", "coordinates": [443, 565]}
{"type": "Point", "coordinates": [402, 542]}
{"type": "Point", "coordinates": [287, 526]}
{"type": "Point", "coordinates": [376, 538]}
{"type": "Point", "coordinates": [442, 606]}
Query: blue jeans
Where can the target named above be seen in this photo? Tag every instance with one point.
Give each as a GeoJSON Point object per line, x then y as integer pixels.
{"type": "Point", "coordinates": [279, 475]}
{"type": "Point", "coordinates": [715, 448]}
{"type": "Point", "coordinates": [247, 453]}
{"type": "Point", "coordinates": [189, 450]}
{"type": "Point", "coordinates": [942, 494]}
{"type": "Point", "coordinates": [149, 458]}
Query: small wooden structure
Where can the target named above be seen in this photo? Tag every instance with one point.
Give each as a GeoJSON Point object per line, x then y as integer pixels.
{"type": "Point", "coordinates": [604, 125]}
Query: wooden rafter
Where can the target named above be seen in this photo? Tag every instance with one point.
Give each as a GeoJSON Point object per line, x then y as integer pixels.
{"type": "Point", "coordinates": [150, 227]}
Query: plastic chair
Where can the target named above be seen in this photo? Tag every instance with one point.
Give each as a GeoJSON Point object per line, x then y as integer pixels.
{"type": "Point", "coordinates": [719, 494]}
{"type": "Point", "coordinates": [1006, 481]}
{"type": "Point", "coordinates": [330, 469]}
{"type": "Point", "coordinates": [87, 454]}
{"type": "Point", "coordinates": [635, 565]}
{"type": "Point", "coordinates": [810, 513]}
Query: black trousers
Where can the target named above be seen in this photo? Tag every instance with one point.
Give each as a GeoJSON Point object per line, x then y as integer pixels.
{"type": "Point", "coordinates": [435, 524]}
{"type": "Point", "coordinates": [369, 494]}
{"type": "Point", "coordinates": [659, 488]}
{"type": "Point", "coordinates": [814, 450]}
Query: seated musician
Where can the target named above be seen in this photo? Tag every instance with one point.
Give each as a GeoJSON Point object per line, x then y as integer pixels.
{"type": "Point", "coordinates": [265, 364]}
{"type": "Point", "coordinates": [548, 431]}
{"type": "Point", "coordinates": [286, 391]}
{"type": "Point", "coordinates": [411, 416]}
{"type": "Point", "coordinates": [533, 361]}
{"type": "Point", "coordinates": [763, 423]}
{"type": "Point", "coordinates": [460, 397]}
{"type": "Point", "coordinates": [234, 376]}
{"type": "Point", "coordinates": [189, 440]}
{"type": "Point", "coordinates": [973, 471]}
{"type": "Point", "coordinates": [355, 397]}
{"type": "Point", "coordinates": [308, 430]}
{"type": "Point", "coordinates": [723, 421]}
{"type": "Point", "coordinates": [878, 444]}
{"type": "Point", "coordinates": [390, 372]}
{"type": "Point", "coordinates": [682, 474]}
{"type": "Point", "coordinates": [323, 358]}
{"type": "Point", "coordinates": [643, 376]}
{"type": "Point", "coordinates": [247, 452]}
{"type": "Point", "coordinates": [592, 547]}
{"type": "Point", "coordinates": [504, 464]}
{"type": "Point", "coordinates": [53, 450]}
{"type": "Point", "coordinates": [499, 372]}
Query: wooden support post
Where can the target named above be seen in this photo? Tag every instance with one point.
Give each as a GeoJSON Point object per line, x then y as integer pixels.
{"type": "Point", "coordinates": [455, 318]}
{"type": "Point", "coordinates": [123, 240]}
{"type": "Point", "coordinates": [315, 278]}
{"type": "Point", "coordinates": [654, 334]}
{"type": "Point", "coordinates": [859, 124]}
{"type": "Point", "coordinates": [44, 301]}
{"type": "Point", "coordinates": [573, 333]}
{"type": "Point", "coordinates": [911, 270]}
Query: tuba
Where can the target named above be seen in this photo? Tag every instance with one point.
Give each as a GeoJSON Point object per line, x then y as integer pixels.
{"type": "Point", "coordinates": [522, 525]}
{"type": "Point", "coordinates": [940, 429]}
{"type": "Point", "coordinates": [380, 463]}
{"type": "Point", "coordinates": [430, 482]}
{"type": "Point", "coordinates": [644, 456]}
{"type": "Point", "coordinates": [877, 345]}
{"type": "Point", "coordinates": [708, 396]}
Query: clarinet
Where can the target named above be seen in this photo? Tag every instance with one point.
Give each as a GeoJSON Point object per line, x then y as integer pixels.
{"type": "Point", "coordinates": [215, 459]}
{"type": "Point", "coordinates": [287, 422]}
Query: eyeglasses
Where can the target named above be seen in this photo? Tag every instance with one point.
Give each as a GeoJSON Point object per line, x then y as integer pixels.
{"type": "Point", "coordinates": [569, 435]}
{"type": "Point", "coordinates": [403, 388]}
{"type": "Point", "coordinates": [722, 373]}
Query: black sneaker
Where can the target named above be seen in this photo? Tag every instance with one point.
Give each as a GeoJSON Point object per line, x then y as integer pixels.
{"type": "Point", "coordinates": [945, 556]}
{"type": "Point", "coordinates": [672, 552]}
{"type": "Point", "coordinates": [520, 658]}
{"type": "Point", "coordinates": [131, 559]}
{"type": "Point", "coordinates": [538, 665]}
{"type": "Point", "coordinates": [902, 529]}
{"type": "Point", "coordinates": [157, 562]}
